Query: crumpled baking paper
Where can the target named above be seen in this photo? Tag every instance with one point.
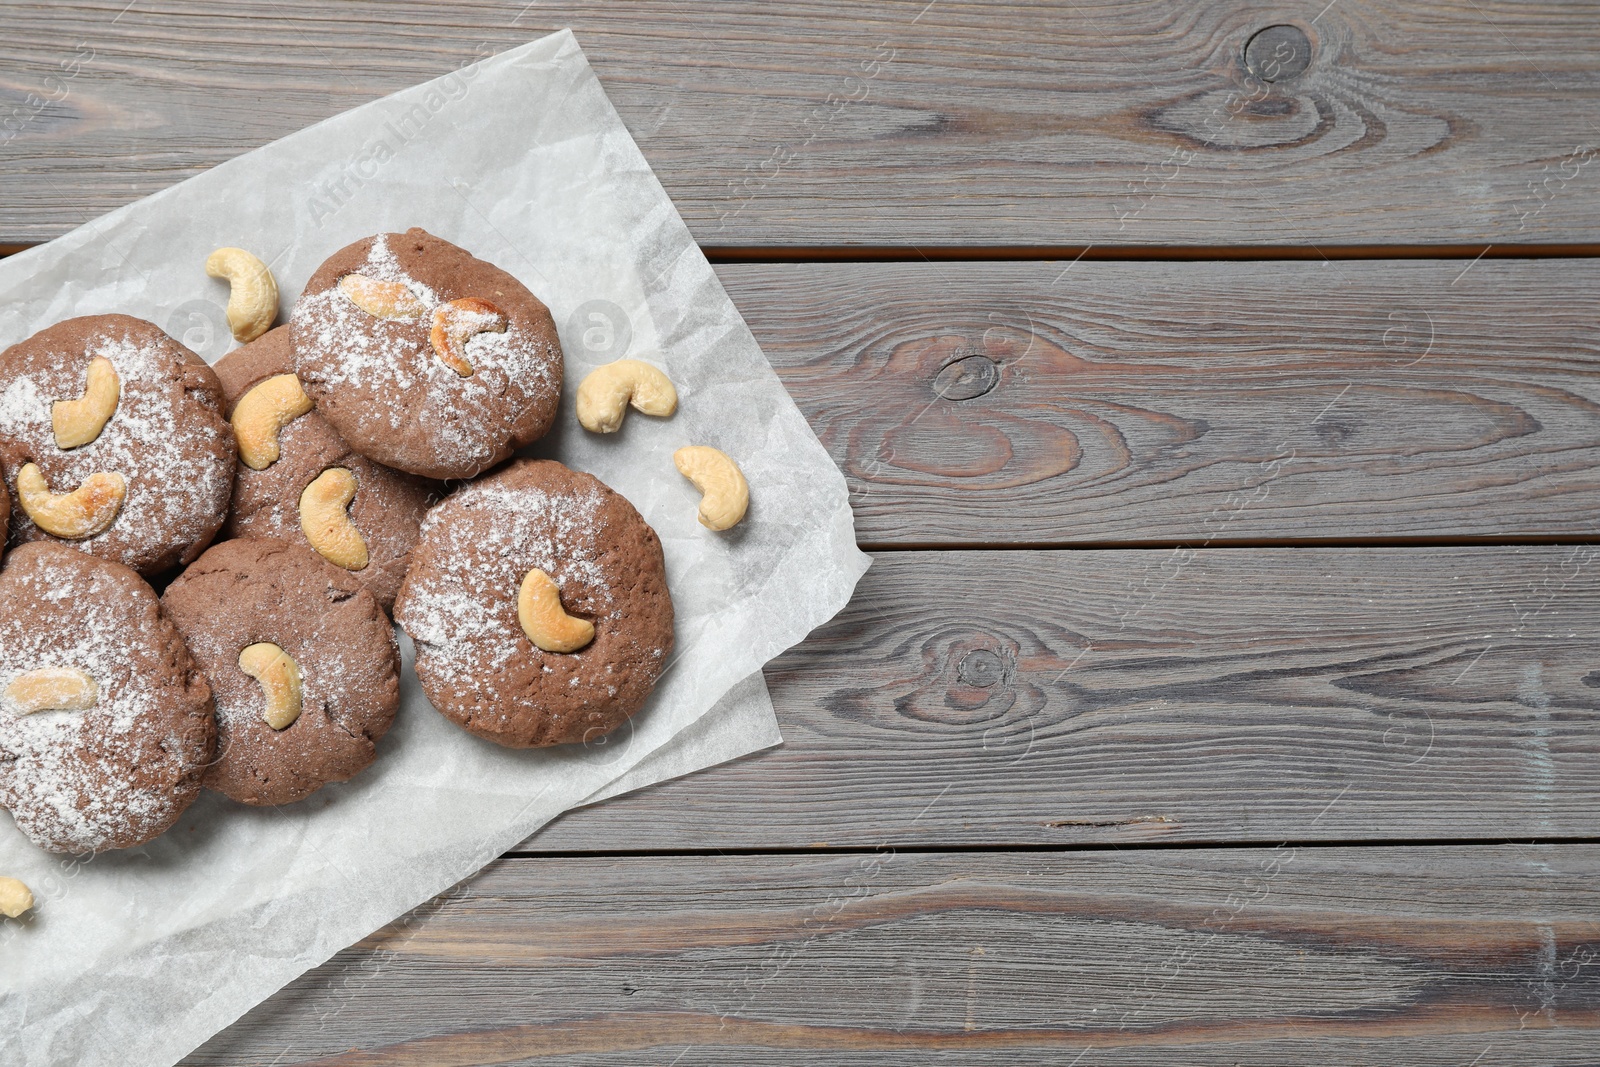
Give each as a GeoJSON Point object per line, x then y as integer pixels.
{"type": "Point", "coordinates": [136, 957]}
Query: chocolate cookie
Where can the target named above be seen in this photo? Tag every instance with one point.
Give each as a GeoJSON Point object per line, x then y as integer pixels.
{"type": "Point", "coordinates": [105, 723]}
{"type": "Point", "coordinates": [424, 358]}
{"type": "Point", "coordinates": [301, 659]}
{"type": "Point", "coordinates": [482, 551]}
{"type": "Point", "coordinates": [386, 510]}
{"type": "Point", "coordinates": [111, 410]}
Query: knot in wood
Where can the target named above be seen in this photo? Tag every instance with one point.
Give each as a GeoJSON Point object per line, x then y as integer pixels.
{"type": "Point", "coordinates": [967, 378]}
{"type": "Point", "coordinates": [1278, 53]}
{"type": "Point", "coordinates": [980, 668]}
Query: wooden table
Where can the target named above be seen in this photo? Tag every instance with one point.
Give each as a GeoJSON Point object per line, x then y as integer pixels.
{"type": "Point", "coordinates": [1223, 414]}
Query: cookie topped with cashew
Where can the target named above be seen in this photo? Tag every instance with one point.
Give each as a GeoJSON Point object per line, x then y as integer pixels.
{"type": "Point", "coordinates": [537, 600]}
{"type": "Point", "coordinates": [425, 358]}
{"type": "Point", "coordinates": [112, 439]}
{"type": "Point", "coordinates": [105, 723]}
{"type": "Point", "coordinates": [301, 660]}
{"type": "Point", "coordinates": [295, 471]}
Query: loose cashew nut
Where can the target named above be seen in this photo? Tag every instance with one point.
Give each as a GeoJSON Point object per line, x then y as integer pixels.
{"type": "Point", "coordinates": [52, 689]}
{"type": "Point", "coordinates": [326, 525]}
{"type": "Point", "coordinates": [457, 322]}
{"type": "Point", "coordinates": [724, 493]}
{"type": "Point", "coordinates": [605, 394]}
{"type": "Point", "coordinates": [15, 898]}
{"type": "Point", "coordinates": [262, 413]}
{"type": "Point", "coordinates": [253, 299]}
{"type": "Point", "coordinates": [84, 512]}
{"type": "Point", "coordinates": [279, 676]}
{"type": "Point", "coordinates": [384, 300]}
{"type": "Point", "coordinates": [78, 422]}
{"type": "Point", "coordinates": [544, 620]}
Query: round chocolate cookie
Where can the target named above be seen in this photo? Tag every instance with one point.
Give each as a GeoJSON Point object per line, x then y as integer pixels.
{"type": "Point", "coordinates": [105, 723]}
{"type": "Point", "coordinates": [387, 507]}
{"type": "Point", "coordinates": [424, 358]}
{"type": "Point", "coordinates": [459, 603]}
{"type": "Point", "coordinates": [112, 439]}
{"type": "Point", "coordinates": [302, 662]}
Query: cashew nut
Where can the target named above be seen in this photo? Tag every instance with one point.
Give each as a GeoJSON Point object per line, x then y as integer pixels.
{"type": "Point", "coordinates": [605, 394]}
{"type": "Point", "coordinates": [253, 298]}
{"type": "Point", "coordinates": [262, 413]}
{"type": "Point", "coordinates": [279, 676]}
{"type": "Point", "coordinates": [384, 300]}
{"type": "Point", "coordinates": [78, 422]}
{"type": "Point", "coordinates": [457, 322]}
{"type": "Point", "coordinates": [52, 689]}
{"type": "Point", "coordinates": [724, 493]}
{"type": "Point", "coordinates": [326, 525]}
{"type": "Point", "coordinates": [544, 620]}
{"type": "Point", "coordinates": [15, 898]}
{"type": "Point", "coordinates": [84, 512]}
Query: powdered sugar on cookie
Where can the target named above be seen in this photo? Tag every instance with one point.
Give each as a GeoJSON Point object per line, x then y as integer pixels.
{"type": "Point", "coordinates": [465, 612]}
{"type": "Point", "coordinates": [166, 437]}
{"type": "Point", "coordinates": [380, 380]}
{"type": "Point", "coordinates": [121, 771]}
{"type": "Point", "coordinates": [459, 604]}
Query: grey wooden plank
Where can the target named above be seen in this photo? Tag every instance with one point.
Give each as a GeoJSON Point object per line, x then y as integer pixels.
{"type": "Point", "coordinates": [828, 122]}
{"type": "Point", "coordinates": [1239, 956]}
{"type": "Point", "coordinates": [1204, 403]}
{"type": "Point", "coordinates": [1225, 695]}
{"type": "Point", "coordinates": [1208, 403]}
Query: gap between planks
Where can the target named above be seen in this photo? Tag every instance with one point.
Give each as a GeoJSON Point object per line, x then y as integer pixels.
{"type": "Point", "coordinates": [718, 254]}
{"type": "Point", "coordinates": [1240, 544]}
{"type": "Point", "coordinates": [1137, 253]}
{"type": "Point", "coordinates": [1058, 849]}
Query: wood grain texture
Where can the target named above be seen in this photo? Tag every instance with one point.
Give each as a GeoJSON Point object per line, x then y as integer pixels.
{"type": "Point", "coordinates": [830, 122]}
{"type": "Point", "coordinates": [1338, 956]}
{"type": "Point", "coordinates": [1203, 403]}
{"type": "Point", "coordinates": [1245, 695]}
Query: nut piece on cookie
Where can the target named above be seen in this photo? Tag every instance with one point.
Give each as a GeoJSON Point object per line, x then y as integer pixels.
{"type": "Point", "coordinates": [544, 620]}
{"type": "Point", "coordinates": [425, 358]}
{"type": "Point", "coordinates": [280, 680]}
{"type": "Point", "coordinates": [374, 529]}
{"type": "Point", "coordinates": [126, 425]}
{"type": "Point", "coordinates": [119, 726]}
{"type": "Point", "coordinates": [78, 422]}
{"type": "Point", "coordinates": [262, 413]}
{"type": "Point", "coordinates": [538, 603]}
{"type": "Point", "coordinates": [301, 659]}
{"type": "Point", "coordinates": [52, 689]}
{"type": "Point", "coordinates": [459, 321]}
{"type": "Point", "coordinates": [326, 524]}
{"type": "Point", "coordinates": [85, 511]}
{"type": "Point", "coordinates": [383, 300]}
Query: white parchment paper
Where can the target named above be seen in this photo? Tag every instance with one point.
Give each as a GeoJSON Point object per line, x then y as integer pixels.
{"type": "Point", "coordinates": [136, 957]}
